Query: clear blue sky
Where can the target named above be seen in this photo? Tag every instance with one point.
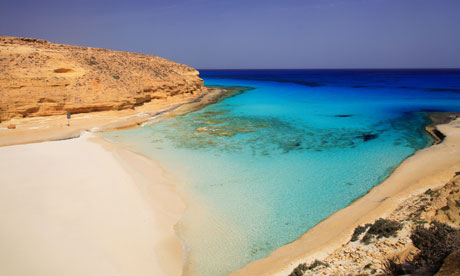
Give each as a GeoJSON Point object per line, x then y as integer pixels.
{"type": "Point", "coordinates": [252, 34]}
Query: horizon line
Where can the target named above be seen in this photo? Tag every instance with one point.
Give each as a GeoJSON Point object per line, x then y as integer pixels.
{"type": "Point", "coordinates": [350, 69]}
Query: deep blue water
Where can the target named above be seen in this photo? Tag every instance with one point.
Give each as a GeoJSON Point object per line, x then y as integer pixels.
{"type": "Point", "coordinates": [263, 167]}
{"type": "Point", "coordinates": [431, 80]}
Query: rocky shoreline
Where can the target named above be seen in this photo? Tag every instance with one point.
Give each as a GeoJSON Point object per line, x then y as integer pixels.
{"type": "Point", "coordinates": [358, 258]}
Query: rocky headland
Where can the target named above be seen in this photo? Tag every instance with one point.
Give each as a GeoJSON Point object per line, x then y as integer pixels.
{"type": "Point", "coordinates": [41, 82]}
{"type": "Point", "coordinates": [40, 78]}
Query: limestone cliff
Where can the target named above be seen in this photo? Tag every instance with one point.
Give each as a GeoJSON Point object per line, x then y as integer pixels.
{"type": "Point", "coordinates": [40, 78]}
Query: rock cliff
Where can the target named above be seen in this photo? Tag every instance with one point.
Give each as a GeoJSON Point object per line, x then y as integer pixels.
{"type": "Point", "coordinates": [40, 78]}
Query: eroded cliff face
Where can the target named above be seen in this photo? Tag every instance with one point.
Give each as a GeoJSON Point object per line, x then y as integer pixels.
{"type": "Point", "coordinates": [40, 78]}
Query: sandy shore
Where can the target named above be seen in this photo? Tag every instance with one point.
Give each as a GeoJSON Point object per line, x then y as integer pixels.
{"type": "Point", "coordinates": [428, 168]}
{"type": "Point", "coordinates": [85, 206]}
{"type": "Point", "coordinates": [77, 207]}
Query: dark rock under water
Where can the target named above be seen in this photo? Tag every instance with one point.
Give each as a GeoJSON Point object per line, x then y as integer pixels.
{"type": "Point", "coordinates": [368, 136]}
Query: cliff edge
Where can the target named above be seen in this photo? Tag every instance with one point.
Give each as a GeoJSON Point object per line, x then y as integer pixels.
{"type": "Point", "coordinates": [40, 78]}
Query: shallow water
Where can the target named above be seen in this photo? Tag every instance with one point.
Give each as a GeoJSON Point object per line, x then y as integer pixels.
{"type": "Point", "coordinates": [263, 167]}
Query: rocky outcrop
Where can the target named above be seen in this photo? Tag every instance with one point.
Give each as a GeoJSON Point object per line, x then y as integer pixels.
{"type": "Point", "coordinates": [451, 266]}
{"type": "Point", "coordinates": [358, 258]}
{"type": "Point", "coordinates": [40, 78]}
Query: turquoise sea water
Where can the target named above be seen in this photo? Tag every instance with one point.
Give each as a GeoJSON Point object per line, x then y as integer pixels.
{"type": "Point", "coordinates": [263, 167]}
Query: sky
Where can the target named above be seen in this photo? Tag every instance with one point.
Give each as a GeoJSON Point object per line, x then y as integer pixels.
{"type": "Point", "coordinates": [252, 34]}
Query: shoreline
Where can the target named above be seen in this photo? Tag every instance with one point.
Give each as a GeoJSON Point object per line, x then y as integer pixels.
{"type": "Point", "coordinates": [281, 261]}
{"type": "Point", "coordinates": [50, 128]}
{"type": "Point", "coordinates": [145, 170]}
{"type": "Point", "coordinates": [143, 180]}
{"type": "Point", "coordinates": [391, 202]}
{"type": "Point", "coordinates": [431, 167]}
{"type": "Point", "coordinates": [92, 206]}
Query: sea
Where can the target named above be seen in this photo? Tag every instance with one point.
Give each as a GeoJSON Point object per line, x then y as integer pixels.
{"type": "Point", "coordinates": [261, 168]}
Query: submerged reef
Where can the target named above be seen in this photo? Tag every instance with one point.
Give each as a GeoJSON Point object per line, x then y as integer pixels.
{"type": "Point", "coordinates": [225, 130]}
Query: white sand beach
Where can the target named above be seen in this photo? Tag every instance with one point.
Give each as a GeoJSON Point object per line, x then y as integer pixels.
{"type": "Point", "coordinates": [86, 206]}
{"type": "Point", "coordinates": [77, 207]}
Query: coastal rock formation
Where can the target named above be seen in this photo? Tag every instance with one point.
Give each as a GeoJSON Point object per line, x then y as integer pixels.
{"type": "Point", "coordinates": [40, 78]}
{"type": "Point", "coordinates": [358, 258]}
{"type": "Point", "coordinates": [451, 266]}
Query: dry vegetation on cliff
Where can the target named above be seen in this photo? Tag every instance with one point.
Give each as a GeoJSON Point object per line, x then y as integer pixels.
{"type": "Point", "coordinates": [40, 78]}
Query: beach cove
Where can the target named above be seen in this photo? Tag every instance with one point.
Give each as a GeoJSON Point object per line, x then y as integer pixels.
{"type": "Point", "coordinates": [268, 164]}
{"type": "Point", "coordinates": [230, 138]}
{"type": "Point", "coordinates": [283, 264]}
{"type": "Point", "coordinates": [69, 187]}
